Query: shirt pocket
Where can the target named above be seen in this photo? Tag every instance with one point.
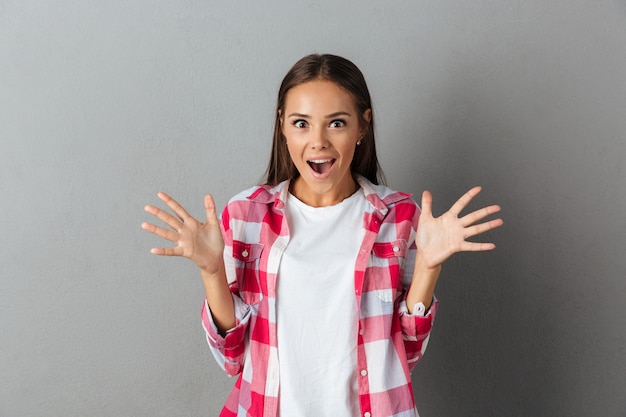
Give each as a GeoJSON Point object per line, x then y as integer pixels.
{"type": "Point", "coordinates": [386, 268]}
{"type": "Point", "coordinates": [247, 258]}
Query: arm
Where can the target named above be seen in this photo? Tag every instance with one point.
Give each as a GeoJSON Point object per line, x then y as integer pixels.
{"type": "Point", "coordinates": [439, 238]}
{"type": "Point", "coordinates": [204, 245]}
{"type": "Point", "coordinates": [219, 298]}
{"type": "Point", "coordinates": [436, 240]}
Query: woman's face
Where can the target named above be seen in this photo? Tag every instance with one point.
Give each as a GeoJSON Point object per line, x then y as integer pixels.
{"type": "Point", "coordinates": [321, 124]}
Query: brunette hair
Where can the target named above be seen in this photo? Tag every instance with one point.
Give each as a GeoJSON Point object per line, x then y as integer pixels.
{"type": "Point", "coordinates": [347, 76]}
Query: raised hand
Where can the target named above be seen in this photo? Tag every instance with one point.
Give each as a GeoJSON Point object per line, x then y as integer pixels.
{"type": "Point", "coordinates": [439, 238]}
{"type": "Point", "coordinates": [200, 242]}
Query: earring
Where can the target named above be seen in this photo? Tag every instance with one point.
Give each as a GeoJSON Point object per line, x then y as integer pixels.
{"type": "Point", "coordinates": [359, 142]}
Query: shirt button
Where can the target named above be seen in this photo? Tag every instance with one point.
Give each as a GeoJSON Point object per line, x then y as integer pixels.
{"type": "Point", "coordinates": [245, 253]}
{"type": "Point", "coordinates": [396, 249]}
{"type": "Point", "coordinates": [367, 414]}
{"type": "Point", "coordinates": [363, 372]}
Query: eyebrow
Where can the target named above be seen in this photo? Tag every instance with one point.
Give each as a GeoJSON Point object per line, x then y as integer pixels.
{"type": "Point", "coordinates": [329, 116]}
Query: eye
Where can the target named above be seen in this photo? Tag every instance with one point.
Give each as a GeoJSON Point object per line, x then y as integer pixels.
{"type": "Point", "coordinates": [338, 123]}
{"type": "Point", "coordinates": [300, 124]}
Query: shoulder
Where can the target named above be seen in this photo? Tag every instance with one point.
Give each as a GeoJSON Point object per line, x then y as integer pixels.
{"type": "Point", "coordinates": [244, 194]}
{"type": "Point", "coordinates": [255, 201]}
{"type": "Point", "coordinates": [261, 194]}
{"type": "Point", "coordinates": [384, 196]}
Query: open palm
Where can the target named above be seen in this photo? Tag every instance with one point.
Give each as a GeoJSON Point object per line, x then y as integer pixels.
{"type": "Point", "coordinates": [200, 242]}
{"type": "Point", "coordinates": [438, 238]}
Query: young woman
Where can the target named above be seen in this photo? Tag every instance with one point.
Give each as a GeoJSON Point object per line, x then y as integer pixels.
{"type": "Point", "coordinates": [319, 283]}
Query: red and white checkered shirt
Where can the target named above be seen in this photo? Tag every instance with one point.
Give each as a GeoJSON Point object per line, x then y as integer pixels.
{"type": "Point", "coordinates": [390, 341]}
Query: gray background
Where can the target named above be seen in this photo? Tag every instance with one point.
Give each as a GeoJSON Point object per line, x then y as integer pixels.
{"type": "Point", "coordinates": [102, 104]}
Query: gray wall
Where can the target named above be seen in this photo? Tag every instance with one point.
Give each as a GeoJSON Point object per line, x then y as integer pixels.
{"type": "Point", "coordinates": [102, 104]}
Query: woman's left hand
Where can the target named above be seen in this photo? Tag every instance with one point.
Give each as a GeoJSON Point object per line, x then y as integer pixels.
{"type": "Point", "coordinates": [439, 238]}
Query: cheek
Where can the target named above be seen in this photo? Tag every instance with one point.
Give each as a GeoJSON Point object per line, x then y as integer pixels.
{"type": "Point", "coordinates": [293, 152]}
{"type": "Point", "coordinates": [348, 153]}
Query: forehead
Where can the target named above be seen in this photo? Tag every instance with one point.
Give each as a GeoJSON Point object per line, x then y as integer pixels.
{"type": "Point", "coordinates": [319, 96]}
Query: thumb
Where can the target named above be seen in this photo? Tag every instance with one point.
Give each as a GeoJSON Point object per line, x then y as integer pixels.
{"type": "Point", "coordinates": [427, 203]}
{"type": "Point", "coordinates": [209, 205]}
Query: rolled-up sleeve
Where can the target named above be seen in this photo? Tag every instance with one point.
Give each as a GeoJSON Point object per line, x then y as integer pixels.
{"type": "Point", "coordinates": [416, 329]}
{"type": "Point", "coordinates": [228, 349]}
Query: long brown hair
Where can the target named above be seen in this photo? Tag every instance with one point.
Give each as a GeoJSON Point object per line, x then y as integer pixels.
{"type": "Point", "coordinates": [346, 75]}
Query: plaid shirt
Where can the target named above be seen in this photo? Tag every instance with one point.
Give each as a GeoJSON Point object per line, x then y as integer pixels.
{"type": "Point", "coordinates": [390, 341]}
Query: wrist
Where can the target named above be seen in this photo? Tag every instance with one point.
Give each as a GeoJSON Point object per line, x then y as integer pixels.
{"type": "Point", "coordinates": [426, 277]}
{"type": "Point", "coordinates": [423, 266]}
{"type": "Point", "coordinates": [422, 285]}
{"type": "Point", "coordinates": [212, 273]}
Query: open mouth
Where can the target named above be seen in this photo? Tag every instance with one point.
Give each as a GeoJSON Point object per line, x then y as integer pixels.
{"type": "Point", "coordinates": [321, 166]}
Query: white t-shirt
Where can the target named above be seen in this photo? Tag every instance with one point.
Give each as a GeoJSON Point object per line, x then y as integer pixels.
{"type": "Point", "coordinates": [316, 311]}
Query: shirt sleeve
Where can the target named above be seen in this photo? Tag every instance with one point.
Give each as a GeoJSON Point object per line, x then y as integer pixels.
{"type": "Point", "coordinates": [416, 327]}
{"type": "Point", "coordinates": [228, 349]}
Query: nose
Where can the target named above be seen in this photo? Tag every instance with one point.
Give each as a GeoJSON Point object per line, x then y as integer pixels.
{"type": "Point", "coordinates": [319, 139]}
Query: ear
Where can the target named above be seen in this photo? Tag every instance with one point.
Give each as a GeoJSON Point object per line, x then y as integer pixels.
{"type": "Point", "coordinates": [281, 120]}
{"type": "Point", "coordinates": [367, 117]}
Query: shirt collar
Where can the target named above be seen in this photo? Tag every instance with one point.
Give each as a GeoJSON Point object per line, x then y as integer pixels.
{"type": "Point", "coordinates": [379, 196]}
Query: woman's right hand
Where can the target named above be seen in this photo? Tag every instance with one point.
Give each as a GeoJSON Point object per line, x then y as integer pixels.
{"type": "Point", "coordinates": [200, 242]}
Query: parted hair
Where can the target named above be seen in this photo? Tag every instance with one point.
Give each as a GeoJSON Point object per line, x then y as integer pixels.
{"type": "Point", "coordinates": [347, 76]}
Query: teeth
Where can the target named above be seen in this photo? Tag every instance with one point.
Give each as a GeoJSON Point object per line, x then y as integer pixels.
{"type": "Point", "coordinates": [320, 161]}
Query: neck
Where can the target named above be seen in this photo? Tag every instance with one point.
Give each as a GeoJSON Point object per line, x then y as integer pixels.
{"type": "Point", "coordinates": [315, 199]}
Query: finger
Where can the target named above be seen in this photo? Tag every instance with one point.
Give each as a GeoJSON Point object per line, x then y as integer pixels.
{"type": "Point", "coordinates": [167, 234]}
{"type": "Point", "coordinates": [483, 227]}
{"type": "Point", "coordinates": [167, 251]}
{"type": "Point", "coordinates": [477, 247]}
{"type": "Point", "coordinates": [211, 214]}
{"type": "Point", "coordinates": [478, 215]}
{"type": "Point", "coordinates": [174, 205]}
{"type": "Point", "coordinates": [427, 203]}
{"type": "Point", "coordinates": [465, 199]}
{"type": "Point", "coordinates": [164, 216]}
